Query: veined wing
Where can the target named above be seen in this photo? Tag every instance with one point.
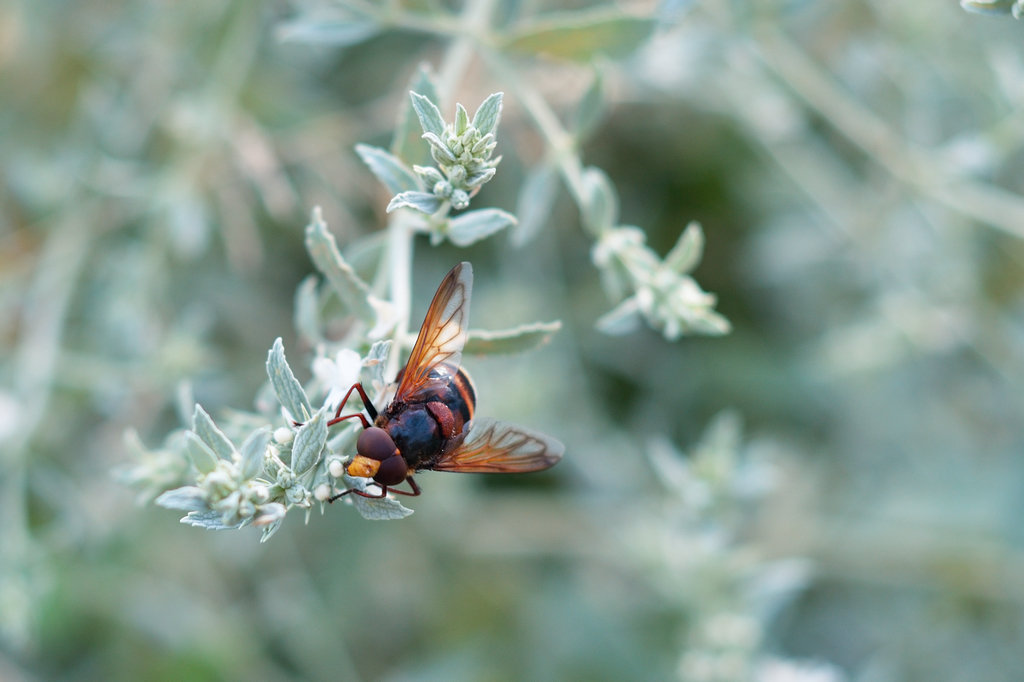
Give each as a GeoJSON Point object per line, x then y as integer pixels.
{"type": "Point", "coordinates": [494, 446]}
{"type": "Point", "coordinates": [442, 335]}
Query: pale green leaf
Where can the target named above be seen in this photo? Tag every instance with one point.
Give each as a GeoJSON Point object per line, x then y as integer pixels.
{"type": "Point", "coordinates": [389, 169]}
{"type": "Point", "coordinates": [407, 143]}
{"type": "Point", "coordinates": [309, 443]}
{"type": "Point", "coordinates": [686, 253]}
{"type": "Point", "coordinates": [522, 338]}
{"type": "Point", "coordinates": [268, 531]}
{"type": "Point", "coordinates": [210, 520]}
{"type": "Point", "coordinates": [286, 386]}
{"type": "Point", "coordinates": [336, 29]}
{"type": "Point", "coordinates": [622, 319]}
{"type": "Point", "coordinates": [204, 427]}
{"type": "Point", "coordinates": [533, 206]}
{"type": "Point", "coordinates": [461, 119]}
{"type": "Point", "coordinates": [323, 250]}
{"type": "Point", "coordinates": [476, 225]}
{"type": "Point", "coordinates": [581, 36]}
{"type": "Point", "coordinates": [486, 118]}
{"type": "Point", "coordinates": [424, 202]}
{"type": "Point", "coordinates": [199, 453]}
{"type": "Point", "coordinates": [307, 311]}
{"type": "Point", "coordinates": [187, 498]}
{"type": "Point", "coordinates": [376, 361]}
{"type": "Point", "coordinates": [708, 322]}
{"type": "Point", "coordinates": [591, 108]}
{"type": "Point", "coordinates": [1003, 7]}
{"type": "Point", "coordinates": [429, 115]}
{"type": "Point", "coordinates": [600, 201]}
{"type": "Point", "coordinates": [253, 451]}
{"type": "Point", "coordinates": [382, 509]}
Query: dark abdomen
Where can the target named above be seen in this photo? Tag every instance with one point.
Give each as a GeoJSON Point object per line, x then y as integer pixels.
{"type": "Point", "coordinates": [423, 426]}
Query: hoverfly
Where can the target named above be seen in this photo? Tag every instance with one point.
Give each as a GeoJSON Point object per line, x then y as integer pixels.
{"type": "Point", "coordinates": [429, 424]}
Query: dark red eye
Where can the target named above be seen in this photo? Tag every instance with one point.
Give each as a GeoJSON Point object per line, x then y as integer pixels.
{"type": "Point", "coordinates": [375, 443]}
{"type": "Point", "coordinates": [393, 471]}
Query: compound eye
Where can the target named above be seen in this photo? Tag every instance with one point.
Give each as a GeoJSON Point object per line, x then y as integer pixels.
{"type": "Point", "coordinates": [393, 471]}
{"type": "Point", "coordinates": [375, 443]}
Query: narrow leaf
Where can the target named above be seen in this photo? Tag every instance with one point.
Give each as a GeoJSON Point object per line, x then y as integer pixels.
{"type": "Point", "coordinates": [461, 119]}
{"type": "Point", "coordinates": [309, 443]}
{"type": "Point", "coordinates": [622, 319]}
{"type": "Point", "coordinates": [383, 509]}
{"type": "Point", "coordinates": [307, 311]}
{"type": "Point", "coordinates": [407, 143]}
{"type": "Point", "coordinates": [253, 451]}
{"type": "Point", "coordinates": [988, 6]}
{"type": "Point", "coordinates": [389, 169]}
{"type": "Point", "coordinates": [439, 150]}
{"type": "Point", "coordinates": [536, 199]}
{"type": "Point", "coordinates": [202, 457]}
{"type": "Point", "coordinates": [423, 202]}
{"type": "Point", "coordinates": [522, 338]}
{"type": "Point", "coordinates": [286, 386]}
{"type": "Point", "coordinates": [707, 322]}
{"type": "Point", "coordinates": [376, 361]}
{"type": "Point", "coordinates": [485, 120]}
{"type": "Point", "coordinates": [476, 225]}
{"type": "Point", "coordinates": [429, 115]}
{"type": "Point", "coordinates": [686, 253]}
{"type": "Point", "coordinates": [204, 427]}
{"type": "Point", "coordinates": [323, 249]}
{"type": "Point", "coordinates": [591, 108]}
{"type": "Point", "coordinates": [210, 520]}
{"type": "Point", "coordinates": [581, 36]}
{"type": "Point", "coordinates": [600, 202]}
{"type": "Point", "coordinates": [268, 531]}
{"type": "Point", "coordinates": [188, 498]}
{"type": "Point", "coordinates": [335, 29]}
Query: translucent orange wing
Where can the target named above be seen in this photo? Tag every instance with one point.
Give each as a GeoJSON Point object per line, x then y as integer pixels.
{"type": "Point", "coordinates": [442, 335]}
{"type": "Point", "coordinates": [499, 447]}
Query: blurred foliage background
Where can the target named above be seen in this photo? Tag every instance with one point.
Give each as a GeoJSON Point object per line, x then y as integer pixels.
{"type": "Point", "coordinates": [857, 171]}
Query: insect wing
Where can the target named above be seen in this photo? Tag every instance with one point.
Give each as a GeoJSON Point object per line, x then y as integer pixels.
{"type": "Point", "coordinates": [442, 335]}
{"type": "Point", "coordinates": [499, 447]}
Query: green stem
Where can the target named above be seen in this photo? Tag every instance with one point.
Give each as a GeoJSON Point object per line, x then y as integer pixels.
{"type": "Point", "coordinates": [401, 232]}
{"type": "Point", "coordinates": [561, 143]}
{"type": "Point", "coordinates": [913, 165]}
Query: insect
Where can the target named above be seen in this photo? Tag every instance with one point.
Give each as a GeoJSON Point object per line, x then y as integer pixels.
{"type": "Point", "coordinates": [429, 424]}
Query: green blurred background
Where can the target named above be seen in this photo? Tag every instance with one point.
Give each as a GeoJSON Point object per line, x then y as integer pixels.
{"type": "Point", "coordinates": [857, 171]}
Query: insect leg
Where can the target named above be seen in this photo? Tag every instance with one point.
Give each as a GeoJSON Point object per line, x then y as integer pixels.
{"type": "Point", "coordinates": [362, 394]}
{"type": "Point", "coordinates": [356, 415]}
{"type": "Point", "coordinates": [383, 492]}
{"type": "Point", "coordinates": [412, 484]}
{"type": "Point", "coordinates": [366, 403]}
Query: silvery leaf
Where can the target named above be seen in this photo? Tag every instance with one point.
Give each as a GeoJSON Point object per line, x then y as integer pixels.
{"type": "Point", "coordinates": [430, 116]}
{"type": "Point", "coordinates": [286, 386]}
{"type": "Point", "coordinates": [187, 498]}
{"type": "Point", "coordinates": [323, 249]}
{"type": "Point", "coordinates": [424, 202]}
{"type": "Point", "coordinates": [309, 442]}
{"type": "Point", "coordinates": [522, 338]}
{"type": "Point", "coordinates": [208, 432]}
{"type": "Point", "coordinates": [253, 451]}
{"type": "Point", "coordinates": [476, 225]}
{"type": "Point", "coordinates": [389, 169]}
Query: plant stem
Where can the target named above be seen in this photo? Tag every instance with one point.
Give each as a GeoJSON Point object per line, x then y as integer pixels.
{"type": "Point", "coordinates": [561, 143]}
{"type": "Point", "coordinates": [401, 230]}
{"type": "Point", "coordinates": [913, 165]}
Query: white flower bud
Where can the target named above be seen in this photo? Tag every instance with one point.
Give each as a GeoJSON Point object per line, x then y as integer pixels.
{"type": "Point", "coordinates": [336, 467]}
